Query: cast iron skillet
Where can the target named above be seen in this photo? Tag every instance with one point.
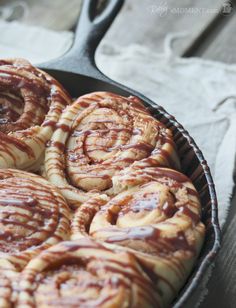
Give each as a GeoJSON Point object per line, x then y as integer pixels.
{"type": "Point", "coordinates": [77, 71]}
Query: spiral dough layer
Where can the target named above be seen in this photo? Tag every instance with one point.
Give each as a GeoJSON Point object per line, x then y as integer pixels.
{"type": "Point", "coordinates": [85, 274]}
{"type": "Point", "coordinates": [155, 215]}
{"type": "Point", "coordinates": [31, 103]}
{"type": "Point", "coordinates": [33, 216]}
{"type": "Point", "coordinates": [97, 136]}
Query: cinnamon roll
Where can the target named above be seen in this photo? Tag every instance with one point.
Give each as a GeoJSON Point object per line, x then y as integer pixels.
{"type": "Point", "coordinates": [33, 216]}
{"type": "Point", "coordinates": [97, 136]}
{"type": "Point", "coordinates": [31, 102]}
{"type": "Point", "coordinates": [156, 216]}
{"type": "Point", "coordinates": [9, 278]}
{"type": "Point", "coordinates": [85, 274]}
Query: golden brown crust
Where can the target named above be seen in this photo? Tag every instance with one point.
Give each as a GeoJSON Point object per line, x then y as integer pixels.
{"type": "Point", "coordinates": [33, 216]}
{"type": "Point", "coordinates": [31, 103]}
{"type": "Point", "coordinates": [100, 134]}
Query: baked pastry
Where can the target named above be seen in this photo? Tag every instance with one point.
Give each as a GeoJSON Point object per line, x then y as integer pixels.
{"type": "Point", "coordinates": [138, 231]}
{"type": "Point", "coordinates": [31, 103]}
{"type": "Point", "coordinates": [156, 216]}
{"type": "Point", "coordinates": [97, 136]}
{"type": "Point", "coordinates": [33, 217]}
{"type": "Point", "coordinates": [9, 279]}
{"type": "Point", "coordinates": [85, 274]}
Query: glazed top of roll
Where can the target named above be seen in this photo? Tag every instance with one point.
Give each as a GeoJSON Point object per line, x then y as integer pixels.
{"type": "Point", "coordinates": [26, 94]}
{"type": "Point", "coordinates": [156, 215]}
{"type": "Point", "coordinates": [33, 216]}
{"type": "Point", "coordinates": [153, 202]}
{"type": "Point", "coordinates": [85, 274]}
{"type": "Point", "coordinates": [31, 102]}
{"type": "Point", "coordinates": [100, 134]}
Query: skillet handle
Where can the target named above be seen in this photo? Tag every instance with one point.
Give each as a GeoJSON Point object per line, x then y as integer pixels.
{"type": "Point", "coordinates": [89, 32]}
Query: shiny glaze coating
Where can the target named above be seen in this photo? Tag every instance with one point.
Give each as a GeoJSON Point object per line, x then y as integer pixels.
{"type": "Point", "coordinates": [31, 103]}
{"type": "Point", "coordinates": [99, 135]}
{"type": "Point", "coordinates": [155, 214]}
{"type": "Point", "coordinates": [85, 273]}
{"type": "Point", "coordinates": [33, 217]}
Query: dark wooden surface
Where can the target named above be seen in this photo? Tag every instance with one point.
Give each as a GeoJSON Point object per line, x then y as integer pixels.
{"type": "Point", "coordinates": [211, 36]}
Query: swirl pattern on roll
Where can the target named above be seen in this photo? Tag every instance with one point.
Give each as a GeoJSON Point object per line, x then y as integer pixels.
{"type": "Point", "coordinates": [97, 136]}
{"type": "Point", "coordinates": [33, 217]}
{"type": "Point", "coordinates": [156, 215]}
{"type": "Point", "coordinates": [85, 274]}
{"type": "Point", "coordinates": [31, 102]}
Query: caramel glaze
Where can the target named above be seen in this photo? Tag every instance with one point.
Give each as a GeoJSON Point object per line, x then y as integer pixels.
{"type": "Point", "coordinates": [64, 259]}
{"type": "Point", "coordinates": [163, 175]}
{"type": "Point", "coordinates": [31, 211]}
{"type": "Point", "coordinates": [149, 202]}
{"type": "Point", "coordinates": [147, 241]}
{"type": "Point", "coordinates": [28, 98]}
{"type": "Point", "coordinates": [145, 147]}
{"type": "Point", "coordinates": [59, 145]}
{"type": "Point", "coordinates": [9, 140]}
{"type": "Point", "coordinates": [193, 216]}
{"type": "Point", "coordinates": [55, 125]}
{"type": "Point", "coordinates": [30, 214]}
{"type": "Point", "coordinates": [109, 123]}
{"type": "Point", "coordinates": [167, 173]}
{"type": "Point", "coordinates": [7, 104]}
{"type": "Point", "coordinates": [151, 234]}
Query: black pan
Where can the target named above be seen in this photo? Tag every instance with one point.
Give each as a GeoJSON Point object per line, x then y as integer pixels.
{"type": "Point", "coordinates": [77, 71]}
